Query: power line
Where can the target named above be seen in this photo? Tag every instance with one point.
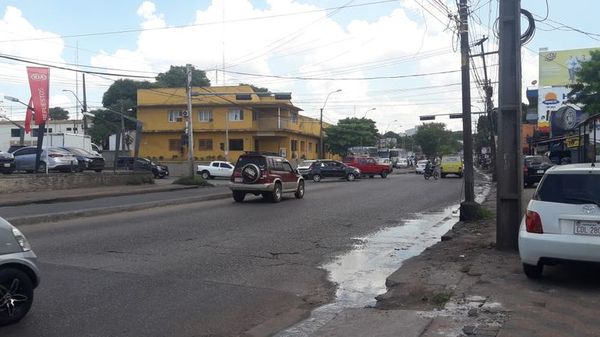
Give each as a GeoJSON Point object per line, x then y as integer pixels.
{"type": "Point", "coordinates": [8, 57]}
{"type": "Point", "coordinates": [342, 78]}
{"type": "Point", "coordinates": [137, 30]}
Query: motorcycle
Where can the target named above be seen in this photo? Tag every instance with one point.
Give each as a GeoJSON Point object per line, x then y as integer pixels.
{"type": "Point", "coordinates": [431, 172]}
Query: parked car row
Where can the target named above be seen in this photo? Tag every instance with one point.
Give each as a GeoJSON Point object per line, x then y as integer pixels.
{"type": "Point", "coordinates": [64, 159]}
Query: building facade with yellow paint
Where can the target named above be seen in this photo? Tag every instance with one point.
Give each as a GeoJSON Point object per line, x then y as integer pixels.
{"type": "Point", "coordinates": [227, 121]}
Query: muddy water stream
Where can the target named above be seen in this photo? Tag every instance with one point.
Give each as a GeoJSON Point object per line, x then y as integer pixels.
{"type": "Point", "coordinates": [361, 273]}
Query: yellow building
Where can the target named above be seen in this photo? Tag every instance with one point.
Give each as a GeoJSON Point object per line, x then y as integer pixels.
{"type": "Point", "coordinates": [227, 121]}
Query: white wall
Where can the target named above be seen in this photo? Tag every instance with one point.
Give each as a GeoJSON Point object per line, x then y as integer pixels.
{"type": "Point", "coordinates": [57, 126]}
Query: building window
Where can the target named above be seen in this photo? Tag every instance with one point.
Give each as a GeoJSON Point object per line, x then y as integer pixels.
{"type": "Point", "coordinates": [205, 116]}
{"type": "Point", "coordinates": [174, 144]}
{"type": "Point", "coordinates": [294, 145]}
{"type": "Point", "coordinates": [236, 145]}
{"type": "Point", "coordinates": [205, 145]}
{"type": "Point", "coordinates": [310, 147]}
{"type": "Point", "coordinates": [303, 146]}
{"type": "Point", "coordinates": [294, 118]}
{"type": "Point", "coordinates": [236, 115]}
{"type": "Point", "coordinates": [175, 116]}
{"type": "Point", "coordinates": [15, 132]}
{"type": "Point", "coordinates": [254, 115]}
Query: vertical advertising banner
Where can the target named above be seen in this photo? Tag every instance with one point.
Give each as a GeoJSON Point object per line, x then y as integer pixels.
{"type": "Point", "coordinates": [39, 84]}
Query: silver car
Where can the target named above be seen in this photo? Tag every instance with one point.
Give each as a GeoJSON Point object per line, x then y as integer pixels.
{"type": "Point", "coordinates": [19, 274]}
{"type": "Point", "coordinates": [55, 158]}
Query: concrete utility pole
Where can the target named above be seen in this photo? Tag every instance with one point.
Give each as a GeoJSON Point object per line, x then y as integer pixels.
{"type": "Point", "coordinates": [509, 162]}
{"type": "Point", "coordinates": [468, 208]}
{"type": "Point", "coordinates": [321, 145]}
{"type": "Point", "coordinates": [189, 124]}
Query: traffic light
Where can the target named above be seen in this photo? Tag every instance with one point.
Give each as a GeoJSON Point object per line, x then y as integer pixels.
{"type": "Point", "coordinates": [456, 116]}
{"type": "Point", "coordinates": [243, 97]}
{"type": "Point", "coordinates": [283, 95]}
{"type": "Point", "coordinates": [427, 117]}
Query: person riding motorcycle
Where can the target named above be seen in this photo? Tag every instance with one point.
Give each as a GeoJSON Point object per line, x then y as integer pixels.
{"type": "Point", "coordinates": [429, 167]}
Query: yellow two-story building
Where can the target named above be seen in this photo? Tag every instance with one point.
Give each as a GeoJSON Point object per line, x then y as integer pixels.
{"type": "Point", "coordinates": [227, 121]}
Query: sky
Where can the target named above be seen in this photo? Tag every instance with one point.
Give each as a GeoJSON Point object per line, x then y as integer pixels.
{"type": "Point", "coordinates": [393, 60]}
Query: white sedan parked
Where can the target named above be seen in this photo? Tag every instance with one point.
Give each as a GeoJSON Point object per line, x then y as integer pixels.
{"type": "Point", "coordinates": [215, 169]}
{"type": "Point", "coordinates": [562, 222]}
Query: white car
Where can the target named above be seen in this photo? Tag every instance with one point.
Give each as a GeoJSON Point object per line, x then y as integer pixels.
{"type": "Point", "coordinates": [304, 166]}
{"type": "Point", "coordinates": [402, 163]}
{"type": "Point", "coordinates": [420, 168]}
{"type": "Point", "coordinates": [222, 169]}
{"type": "Point", "coordinates": [562, 222]}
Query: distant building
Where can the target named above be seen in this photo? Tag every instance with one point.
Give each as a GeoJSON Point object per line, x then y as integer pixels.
{"type": "Point", "coordinates": [225, 123]}
{"type": "Point", "coordinates": [9, 133]}
{"type": "Point", "coordinates": [412, 132]}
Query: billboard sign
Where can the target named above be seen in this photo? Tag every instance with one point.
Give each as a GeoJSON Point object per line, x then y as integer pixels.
{"type": "Point", "coordinates": [558, 68]}
{"type": "Point", "coordinates": [555, 115]}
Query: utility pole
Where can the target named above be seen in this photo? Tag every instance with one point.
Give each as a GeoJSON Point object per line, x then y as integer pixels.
{"type": "Point", "coordinates": [468, 208]}
{"type": "Point", "coordinates": [321, 135]}
{"type": "Point", "coordinates": [189, 119]}
{"type": "Point", "coordinates": [84, 108]}
{"type": "Point", "coordinates": [489, 106]}
{"type": "Point", "coordinates": [509, 162]}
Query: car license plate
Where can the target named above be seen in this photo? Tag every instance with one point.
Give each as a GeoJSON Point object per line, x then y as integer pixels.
{"type": "Point", "coordinates": [587, 228]}
{"type": "Point", "coordinates": [7, 165]}
{"type": "Point", "coordinates": [237, 180]}
{"type": "Point", "coordinates": [540, 171]}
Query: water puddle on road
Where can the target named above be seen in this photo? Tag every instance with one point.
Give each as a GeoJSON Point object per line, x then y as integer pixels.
{"type": "Point", "coordinates": [361, 273]}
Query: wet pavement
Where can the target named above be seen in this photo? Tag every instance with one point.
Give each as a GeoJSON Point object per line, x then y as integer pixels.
{"type": "Point", "coordinates": [361, 274]}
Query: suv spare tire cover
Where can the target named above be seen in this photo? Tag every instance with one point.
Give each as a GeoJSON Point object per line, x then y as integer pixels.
{"type": "Point", "coordinates": [250, 173]}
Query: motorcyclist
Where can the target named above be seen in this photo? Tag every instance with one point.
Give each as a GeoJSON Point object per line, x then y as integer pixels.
{"type": "Point", "coordinates": [429, 167]}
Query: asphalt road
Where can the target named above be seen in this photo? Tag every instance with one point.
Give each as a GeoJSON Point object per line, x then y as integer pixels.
{"type": "Point", "coordinates": [213, 268]}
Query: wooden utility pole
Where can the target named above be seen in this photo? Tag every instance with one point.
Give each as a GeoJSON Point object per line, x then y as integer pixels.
{"type": "Point", "coordinates": [509, 161]}
{"type": "Point", "coordinates": [468, 209]}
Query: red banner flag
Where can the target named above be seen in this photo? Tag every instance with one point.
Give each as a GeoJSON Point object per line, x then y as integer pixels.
{"type": "Point", "coordinates": [28, 116]}
{"type": "Point", "coordinates": [39, 83]}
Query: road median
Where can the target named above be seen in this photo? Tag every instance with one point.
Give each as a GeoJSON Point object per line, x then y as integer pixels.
{"type": "Point", "coordinates": [51, 217]}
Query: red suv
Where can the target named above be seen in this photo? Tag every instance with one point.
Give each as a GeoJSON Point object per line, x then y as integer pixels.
{"type": "Point", "coordinates": [268, 175]}
{"type": "Point", "coordinates": [368, 166]}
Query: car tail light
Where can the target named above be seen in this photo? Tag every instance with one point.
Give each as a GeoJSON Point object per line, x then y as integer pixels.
{"type": "Point", "coordinates": [55, 155]}
{"type": "Point", "coordinates": [533, 223]}
{"type": "Point", "coordinates": [236, 174]}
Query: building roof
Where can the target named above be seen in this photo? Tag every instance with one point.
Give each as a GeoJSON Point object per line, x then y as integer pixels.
{"type": "Point", "coordinates": [210, 96]}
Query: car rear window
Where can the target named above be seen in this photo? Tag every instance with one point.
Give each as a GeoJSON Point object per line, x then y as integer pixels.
{"type": "Point", "coordinates": [537, 160]}
{"type": "Point", "coordinates": [570, 188]}
{"type": "Point", "coordinates": [450, 159]}
{"type": "Point", "coordinates": [261, 162]}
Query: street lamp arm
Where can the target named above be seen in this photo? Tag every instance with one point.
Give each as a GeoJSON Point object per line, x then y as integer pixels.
{"type": "Point", "coordinates": [74, 94]}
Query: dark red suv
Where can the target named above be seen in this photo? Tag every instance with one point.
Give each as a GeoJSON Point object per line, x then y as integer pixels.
{"type": "Point", "coordinates": [268, 175]}
{"type": "Point", "coordinates": [369, 166]}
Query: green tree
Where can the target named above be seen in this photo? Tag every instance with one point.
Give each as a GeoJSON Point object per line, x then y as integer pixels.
{"type": "Point", "coordinates": [176, 77]}
{"type": "Point", "coordinates": [255, 88]}
{"type": "Point", "coordinates": [58, 114]}
{"type": "Point", "coordinates": [435, 140]}
{"type": "Point", "coordinates": [350, 132]}
{"type": "Point", "coordinates": [586, 91]}
{"type": "Point", "coordinates": [105, 123]}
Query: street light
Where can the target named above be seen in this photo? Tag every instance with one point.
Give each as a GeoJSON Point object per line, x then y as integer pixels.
{"type": "Point", "coordinates": [83, 106]}
{"type": "Point", "coordinates": [321, 147]}
{"type": "Point", "coordinates": [365, 116]}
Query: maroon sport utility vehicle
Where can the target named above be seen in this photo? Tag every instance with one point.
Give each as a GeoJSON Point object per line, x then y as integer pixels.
{"type": "Point", "coordinates": [268, 175]}
{"type": "Point", "coordinates": [368, 166]}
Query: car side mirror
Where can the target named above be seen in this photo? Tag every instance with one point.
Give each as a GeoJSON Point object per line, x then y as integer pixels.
{"type": "Point", "coordinates": [296, 171]}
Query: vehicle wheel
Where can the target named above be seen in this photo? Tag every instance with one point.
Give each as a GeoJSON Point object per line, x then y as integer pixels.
{"type": "Point", "coordinates": [384, 175]}
{"type": "Point", "coordinates": [205, 175]}
{"type": "Point", "coordinates": [371, 176]}
{"type": "Point", "coordinates": [98, 170]}
{"type": "Point", "coordinates": [276, 195]}
{"type": "Point", "coordinates": [460, 175]}
{"type": "Point", "coordinates": [436, 175]}
{"type": "Point", "coordinates": [239, 196]}
{"type": "Point", "coordinates": [533, 271]}
{"type": "Point", "coordinates": [350, 177]}
{"type": "Point", "coordinates": [300, 190]}
{"type": "Point", "coordinates": [426, 176]}
{"type": "Point", "coordinates": [443, 175]}
{"type": "Point", "coordinates": [16, 295]}
{"type": "Point", "coordinates": [317, 178]}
